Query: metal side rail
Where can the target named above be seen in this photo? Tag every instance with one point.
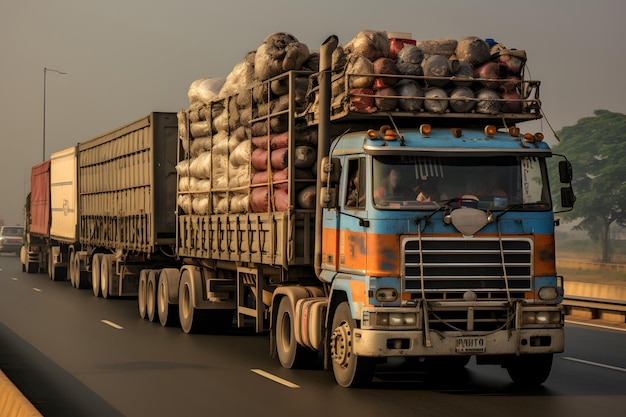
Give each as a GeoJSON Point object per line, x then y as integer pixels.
{"type": "Point", "coordinates": [595, 303]}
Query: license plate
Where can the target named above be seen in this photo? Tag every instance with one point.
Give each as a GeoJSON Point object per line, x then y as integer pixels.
{"type": "Point", "coordinates": [471, 344]}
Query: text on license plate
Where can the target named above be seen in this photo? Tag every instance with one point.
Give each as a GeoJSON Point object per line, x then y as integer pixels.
{"type": "Point", "coordinates": [471, 344]}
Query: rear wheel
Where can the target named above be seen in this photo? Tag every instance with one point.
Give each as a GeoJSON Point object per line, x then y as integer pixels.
{"type": "Point", "coordinates": [95, 273]}
{"type": "Point", "coordinates": [530, 370]}
{"type": "Point", "coordinates": [141, 293]}
{"type": "Point", "coordinates": [106, 275]}
{"type": "Point", "coordinates": [349, 369]}
{"type": "Point", "coordinates": [71, 269]}
{"type": "Point", "coordinates": [290, 354]}
{"type": "Point", "coordinates": [32, 267]}
{"type": "Point", "coordinates": [191, 319]}
{"type": "Point", "coordinates": [167, 312]}
{"type": "Point", "coordinates": [23, 256]}
{"type": "Point", "coordinates": [51, 270]}
{"type": "Point", "coordinates": [81, 278]}
{"type": "Point", "coordinates": [151, 296]}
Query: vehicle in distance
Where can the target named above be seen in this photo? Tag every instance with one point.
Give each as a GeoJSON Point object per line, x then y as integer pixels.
{"type": "Point", "coordinates": [11, 239]}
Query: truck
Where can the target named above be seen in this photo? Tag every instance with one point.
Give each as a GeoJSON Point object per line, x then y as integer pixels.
{"type": "Point", "coordinates": [352, 224]}
{"type": "Point", "coordinates": [98, 198]}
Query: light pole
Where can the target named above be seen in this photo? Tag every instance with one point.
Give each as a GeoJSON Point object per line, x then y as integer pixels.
{"type": "Point", "coordinates": [45, 72]}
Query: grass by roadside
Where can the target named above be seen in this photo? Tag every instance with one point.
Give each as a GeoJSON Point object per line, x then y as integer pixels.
{"type": "Point", "coordinates": [598, 276]}
{"type": "Point", "coordinates": [589, 251]}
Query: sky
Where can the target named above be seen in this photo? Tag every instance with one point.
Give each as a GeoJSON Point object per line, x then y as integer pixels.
{"type": "Point", "coordinates": [126, 58]}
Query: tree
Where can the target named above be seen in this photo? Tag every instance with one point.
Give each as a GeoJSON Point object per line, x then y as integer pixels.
{"type": "Point", "coordinates": [596, 146]}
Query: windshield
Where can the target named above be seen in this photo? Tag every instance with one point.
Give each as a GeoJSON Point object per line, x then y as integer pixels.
{"type": "Point", "coordinates": [485, 182]}
{"type": "Point", "coordinates": [12, 231]}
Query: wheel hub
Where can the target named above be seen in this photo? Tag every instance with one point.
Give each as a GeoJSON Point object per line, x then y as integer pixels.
{"type": "Point", "coordinates": [340, 344]}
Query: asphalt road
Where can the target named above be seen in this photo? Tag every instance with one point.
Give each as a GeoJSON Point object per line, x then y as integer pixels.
{"type": "Point", "coordinates": [73, 354]}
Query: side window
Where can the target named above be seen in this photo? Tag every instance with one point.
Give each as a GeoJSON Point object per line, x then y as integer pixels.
{"type": "Point", "coordinates": [355, 188]}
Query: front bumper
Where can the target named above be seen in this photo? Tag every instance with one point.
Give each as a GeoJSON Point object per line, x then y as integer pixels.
{"type": "Point", "coordinates": [386, 343]}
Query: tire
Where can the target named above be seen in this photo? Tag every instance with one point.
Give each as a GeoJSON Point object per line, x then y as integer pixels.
{"type": "Point", "coordinates": [81, 278]}
{"type": "Point", "coordinates": [151, 296]}
{"type": "Point", "coordinates": [95, 273]}
{"type": "Point", "coordinates": [71, 269]}
{"type": "Point", "coordinates": [350, 371]}
{"type": "Point", "coordinates": [168, 313]}
{"type": "Point", "coordinates": [32, 267]}
{"type": "Point", "coordinates": [530, 370]}
{"type": "Point", "coordinates": [23, 256]}
{"type": "Point", "coordinates": [50, 267]}
{"type": "Point", "coordinates": [106, 275]}
{"type": "Point", "coordinates": [141, 293]}
{"type": "Point", "coordinates": [191, 319]}
{"type": "Point", "coordinates": [290, 354]}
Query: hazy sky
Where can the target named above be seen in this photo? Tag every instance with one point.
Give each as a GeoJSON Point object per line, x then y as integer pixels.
{"type": "Point", "coordinates": [126, 58]}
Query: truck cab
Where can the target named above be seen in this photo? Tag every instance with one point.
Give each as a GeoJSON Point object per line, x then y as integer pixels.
{"type": "Point", "coordinates": [441, 243]}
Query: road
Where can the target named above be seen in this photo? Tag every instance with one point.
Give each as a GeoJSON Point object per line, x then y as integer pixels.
{"type": "Point", "coordinates": [73, 354]}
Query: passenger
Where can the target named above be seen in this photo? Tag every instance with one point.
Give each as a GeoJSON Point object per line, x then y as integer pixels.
{"type": "Point", "coordinates": [428, 192]}
{"type": "Point", "coordinates": [355, 196]}
{"type": "Point", "coordinates": [391, 188]}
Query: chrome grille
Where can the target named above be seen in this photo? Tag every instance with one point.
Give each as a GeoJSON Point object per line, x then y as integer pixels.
{"type": "Point", "coordinates": [453, 266]}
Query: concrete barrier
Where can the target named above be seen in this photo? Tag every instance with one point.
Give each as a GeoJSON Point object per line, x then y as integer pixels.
{"type": "Point", "coordinates": [594, 308]}
{"type": "Point", "coordinates": [12, 402]}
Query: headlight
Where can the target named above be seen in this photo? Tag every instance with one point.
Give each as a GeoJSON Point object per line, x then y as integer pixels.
{"type": "Point", "coordinates": [400, 320]}
{"type": "Point", "coordinates": [541, 317]}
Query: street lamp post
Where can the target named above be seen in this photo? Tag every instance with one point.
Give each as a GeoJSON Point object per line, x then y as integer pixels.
{"type": "Point", "coordinates": [45, 72]}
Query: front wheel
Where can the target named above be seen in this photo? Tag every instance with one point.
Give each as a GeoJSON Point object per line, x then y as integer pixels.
{"type": "Point", "coordinates": [530, 370]}
{"type": "Point", "coordinates": [349, 369]}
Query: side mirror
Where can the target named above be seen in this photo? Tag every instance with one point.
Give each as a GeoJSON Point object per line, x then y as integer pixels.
{"type": "Point", "coordinates": [331, 168]}
{"type": "Point", "coordinates": [565, 172]}
{"type": "Point", "coordinates": [328, 197]}
{"type": "Point", "coordinates": [567, 197]}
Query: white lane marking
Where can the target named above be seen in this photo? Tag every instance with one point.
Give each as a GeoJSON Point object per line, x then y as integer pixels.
{"type": "Point", "coordinates": [14, 279]}
{"type": "Point", "coordinates": [275, 378]}
{"type": "Point", "coordinates": [601, 365]}
{"type": "Point", "coordinates": [601, 326]}
{"type": "Point", "coordinates": [110, 323]}
{"type": "Point", "coordinates": [36, 289]}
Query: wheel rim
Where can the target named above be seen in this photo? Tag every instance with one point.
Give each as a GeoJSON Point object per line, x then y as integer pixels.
{"type": "Point", "coordinates": [77, 274]}
{"type": "Point", "coordinates": [150, 297]}
{"type": "Point", "coordinates": [50, 265]}
{"type": "Point", "coordinates": [340, 345]}
{"type": "Point", "coordinates": [104, 275]}
{"type": "Point", "coordinates": [185, 302]}
{"type": "Point", "coordinates": [71, 270]}
{"type": "Point", "coordinates": [141, 296]}
{"type": "Point", "coordinates": [349, 369]}
{"type": "Point", "coordinates": [284, 337]}
{"type": "Point", "coordinates": [162, 297]}
{"type": "Point", "coordinates": [95, 274]}
{"type": "Point", "coordinates": [285, 332]}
